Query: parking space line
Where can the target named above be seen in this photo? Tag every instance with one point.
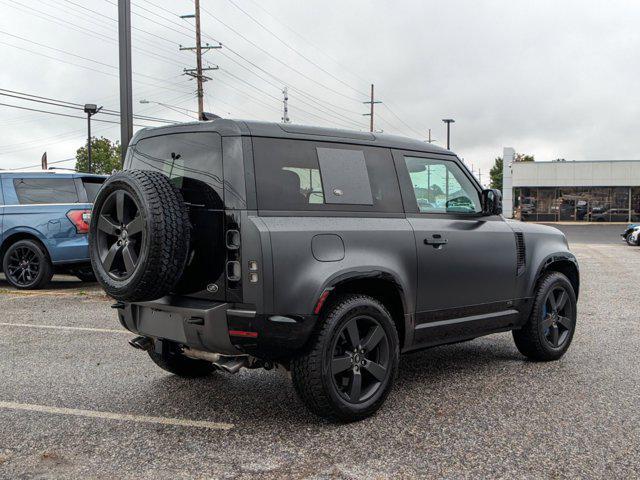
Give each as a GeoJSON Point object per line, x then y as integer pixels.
{"type": "Point", "coordinates": [65, 327]}
{"type": "Point", "coordinates": [181, 422]}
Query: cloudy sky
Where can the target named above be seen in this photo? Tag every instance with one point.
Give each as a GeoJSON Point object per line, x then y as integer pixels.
{"type": "Point", "coordinates": [551, 78]}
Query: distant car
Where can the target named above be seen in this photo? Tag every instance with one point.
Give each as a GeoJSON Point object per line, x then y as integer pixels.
{"type": "Point", "coordinates": [606, 215]}
{"type": "Point", "coordinates": [44, 222]}
{"type": "Point", "coordinates": [631, 234]}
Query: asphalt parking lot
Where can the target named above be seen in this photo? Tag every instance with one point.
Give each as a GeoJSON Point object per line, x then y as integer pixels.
{"type": "Point", "coordinates": [77, 402]}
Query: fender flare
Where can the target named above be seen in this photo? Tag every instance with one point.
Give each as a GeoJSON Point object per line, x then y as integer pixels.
{"type": "Point", "coordinates": [555, 257]}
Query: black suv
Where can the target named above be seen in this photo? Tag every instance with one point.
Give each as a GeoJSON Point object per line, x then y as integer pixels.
{"type": "Point", "coordinates": [325, 252]}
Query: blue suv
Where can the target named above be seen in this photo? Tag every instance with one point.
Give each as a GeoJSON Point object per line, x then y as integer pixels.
{"type": "Point", "coordinates": [44, 222]}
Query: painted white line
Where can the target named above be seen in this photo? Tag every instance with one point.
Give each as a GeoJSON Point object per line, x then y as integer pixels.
{"type": "Point", "coordinates": [65, 327]}
{"type": "Point", "coordinates": [181, 422]}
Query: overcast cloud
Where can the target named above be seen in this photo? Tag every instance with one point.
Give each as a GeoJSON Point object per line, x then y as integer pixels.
{"type": "Point", "coordinates": [550, 78]}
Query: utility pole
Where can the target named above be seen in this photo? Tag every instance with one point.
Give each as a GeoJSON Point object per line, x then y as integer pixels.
{"type": "Point", "coordinates": [285, 106]}
{"type": "Point", "coordinates": [371, 102]}
{"type": "Point", "coordinates": [90, 109]}
{"type": "Point", "coordinates": [197, 72]}
{"type": "Point", "coordinates": [480, 177]}
{"type": "Point", "coordinates": [448, 121]}
{"type": "Point", "coordinates": [126, 102]}
{"type": "Point", "coordinates": [430, 139]}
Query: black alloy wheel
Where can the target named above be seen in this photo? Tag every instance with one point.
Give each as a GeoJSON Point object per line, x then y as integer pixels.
{"type": "Point", "coordinates": [23, 266]}
{"type": "Point", "coordinates": [349, 365]}
{"type": "Point", "coordinates": [120, 235]}
{"type": "Point", "coordinates": [360, 360]}
{"type": "Point", "coordinates": [557, 315]}
{"type": "Point", "coordinates": [26, 265]}
{"type": "Point", "coordinates": [549, 330]}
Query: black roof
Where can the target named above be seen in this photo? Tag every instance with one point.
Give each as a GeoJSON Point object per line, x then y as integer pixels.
{"type": "Point", "coordinates": [252, 128]}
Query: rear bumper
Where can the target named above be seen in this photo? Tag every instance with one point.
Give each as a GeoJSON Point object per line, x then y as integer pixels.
{"type": "Point", "coordinates": [217, 327]}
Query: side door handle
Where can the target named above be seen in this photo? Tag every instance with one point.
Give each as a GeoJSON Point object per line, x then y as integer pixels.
{"type": "Point", "coordinates": [435, 240]}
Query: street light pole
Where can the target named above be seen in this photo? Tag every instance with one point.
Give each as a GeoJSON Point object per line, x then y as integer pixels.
{"type": "Point", "coordinates": [448, 121]}
{"type": "Point", "coordinates": [90, 109]}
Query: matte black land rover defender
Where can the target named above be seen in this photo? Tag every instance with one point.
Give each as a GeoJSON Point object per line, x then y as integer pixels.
{"type": "Point", "coordinates": [234, 244]}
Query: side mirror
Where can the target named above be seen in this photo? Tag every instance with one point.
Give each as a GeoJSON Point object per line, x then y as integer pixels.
{"type": "Point", "coordinates": [491, 202]}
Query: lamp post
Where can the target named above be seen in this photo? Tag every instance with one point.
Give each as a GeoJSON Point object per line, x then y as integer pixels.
{"type": "Point", "coordinates": [448, 121]}
{"type": "Point", "coordinates": [90, 109]}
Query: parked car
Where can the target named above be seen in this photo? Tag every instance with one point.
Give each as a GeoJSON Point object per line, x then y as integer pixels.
{"type": "Point", "coordinates": [44, 221]}
{"type": "Point", "coordinates": [221, 259]}
{"type": "Point", "coordinates": [631, 234]}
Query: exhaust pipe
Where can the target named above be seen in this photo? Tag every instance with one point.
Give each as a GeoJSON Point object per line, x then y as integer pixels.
{"type": "Point", "coordinates": [228, 363]}
{"type": "Point", "coordinates": [141, 343]}
{"type": "Point", "coordinates": [232, 364]}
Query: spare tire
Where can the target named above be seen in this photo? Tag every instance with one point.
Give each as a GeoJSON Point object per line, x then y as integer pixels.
{"type": "Point", "coordinates": [139, 235]}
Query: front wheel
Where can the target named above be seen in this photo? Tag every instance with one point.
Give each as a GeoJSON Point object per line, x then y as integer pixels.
{"type": "Point", "coordinates": [27, 266]}
{"type": "Point", "coordinates": [349, 368]}
{"type": "Point", "coordinates": [632, 240]}
{"type": "Point", "coordinates": [549, 330]}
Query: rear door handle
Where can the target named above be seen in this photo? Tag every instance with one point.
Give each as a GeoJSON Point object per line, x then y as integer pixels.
{"type": "Point", "coordinates": [436, 240]}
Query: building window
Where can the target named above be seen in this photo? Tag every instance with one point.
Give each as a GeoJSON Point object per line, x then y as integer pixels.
{"type": "Point", "coordinates": [580, 204]}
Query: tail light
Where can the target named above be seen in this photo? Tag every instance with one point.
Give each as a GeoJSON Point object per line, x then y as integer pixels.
{"type": "Point", "coordinates": [80, 219]}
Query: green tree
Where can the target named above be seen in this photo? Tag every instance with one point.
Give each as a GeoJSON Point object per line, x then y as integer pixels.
{"type": "Point", "coordinates": [495, 174]}
{"type": "Point", "coordinates": [105, 156]}
{"type": "Point", "coordinates": [523, 157]}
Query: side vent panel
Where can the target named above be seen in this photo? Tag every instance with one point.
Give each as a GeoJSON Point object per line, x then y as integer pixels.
{"type": "Point", "coordinates": [521, 253]}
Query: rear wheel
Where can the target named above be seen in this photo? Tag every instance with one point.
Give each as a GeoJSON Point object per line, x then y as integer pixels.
{"type": "Point", "coordinates": [549, 330]}
{"type": "Point", "coordinates": [632, 240]}
{"type": "Point", "coordinates": [350, 366]}
{"type": "Point", "coordinates": [26, 265]}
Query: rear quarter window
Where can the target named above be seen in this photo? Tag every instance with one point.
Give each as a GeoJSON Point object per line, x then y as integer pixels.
{"type": "Point", "coordinates": [300, 175]}
{"type": "Point", "coordinates": [192, 160]}
{"type": "Point", "coordinates": [45, 190]}
{"type": "Point", "coordinates": [92, 186]}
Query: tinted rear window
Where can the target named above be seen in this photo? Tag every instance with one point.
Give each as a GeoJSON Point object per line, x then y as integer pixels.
{"type": "Point", "coordinates": [45, 190]}
{"type": "Point", "coordinates": [304, 175]}
{"type": "Point", "coordinates": [192, 160]}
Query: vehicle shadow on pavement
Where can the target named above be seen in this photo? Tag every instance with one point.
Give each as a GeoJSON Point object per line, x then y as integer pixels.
{"type": "Point", "coordinates": [448, 360]}
{"type": "Point", "coordinates": [270, 395]}
{"type": "Point", "coordinates": [61, 282]}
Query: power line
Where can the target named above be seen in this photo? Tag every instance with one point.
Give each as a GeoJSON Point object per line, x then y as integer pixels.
{"type": "Point", "coordinates": [74, 106]}
{"type": "Point", "coordinates": [302, 37]}
{"type": "Point", "coordinates": [85, 66]}
{"type": "Point", "coordinates": [332, 114]}
{"type": "Point", "coordinates": [60, 114]}
{"type": "Point", "coordinates": [283, 63]}
{"type": "Point", "coordinates": [293, 49]}
{"type": "Point", "coordinates": [39, 164]}
{"type": "Point", "coordinates": [60, 21]}
{"type": "Point", "coordinates": [402, 121]}
{"type": "Point", "coordinates": [280, 81]}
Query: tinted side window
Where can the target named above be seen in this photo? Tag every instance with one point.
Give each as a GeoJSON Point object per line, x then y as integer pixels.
{"type": "Point", "coordinates": [192, 160]}
{"type": "Point", "coordinates": [440, 186]}
{"type": "Point", "coordinates": [304, 175]}
{"type": "Point", "coordinates": [45, 190]}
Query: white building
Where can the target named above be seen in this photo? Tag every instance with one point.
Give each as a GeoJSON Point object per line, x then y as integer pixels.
{"type": "Point", "coordinates": [591, 191]}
